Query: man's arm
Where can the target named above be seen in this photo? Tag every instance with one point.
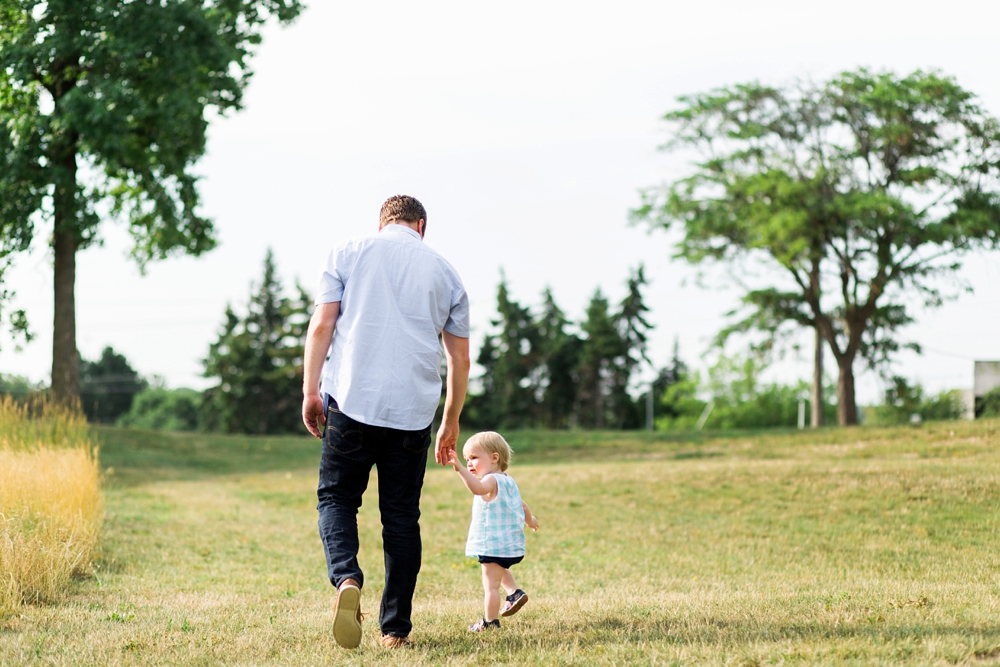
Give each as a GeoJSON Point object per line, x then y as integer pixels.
{"type": "Point", "coordinates": [321, 326]}
{"type": "Point", "coordinates": [456, 350]}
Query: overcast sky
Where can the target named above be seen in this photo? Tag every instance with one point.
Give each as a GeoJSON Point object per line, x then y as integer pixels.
{"type": "Point", "coordinates": [526, 129]}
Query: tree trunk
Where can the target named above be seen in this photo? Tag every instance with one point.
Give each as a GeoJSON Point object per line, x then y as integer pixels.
{"type": "Point", "coordinates": [816, 402]}
{"type": "Point", "coordinates": [847, 411]}
{"type": "Point", "coordinates": [65, 240]}
{"type": "Point", "coordinates": [598, 406]}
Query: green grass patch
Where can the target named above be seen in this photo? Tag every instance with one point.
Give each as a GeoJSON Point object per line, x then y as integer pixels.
{"type": "Point", "coordinates": [838, 546]}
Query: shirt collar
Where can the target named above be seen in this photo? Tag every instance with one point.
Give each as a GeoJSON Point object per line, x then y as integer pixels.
{"type": "Point", "coordinates": [393, 228]}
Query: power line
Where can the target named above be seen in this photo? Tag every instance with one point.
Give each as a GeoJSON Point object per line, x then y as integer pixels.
{"type": "Point", "coordinates": [947, 354]}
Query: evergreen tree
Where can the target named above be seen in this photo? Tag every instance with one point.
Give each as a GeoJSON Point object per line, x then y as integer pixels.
{"type": "Point", "coordinates": [633, 329]}
{"type": "Point", "coordinates": [600, 352]}
{"type": "Point", "coordinates": [556, 375]}
{"type": "Point", "coordinates": [258, 362]}
{"type": "Point", "coordinates": [509, 359]}
{"type": "Point", "coordinates": [108, 386]}
{"type": "Point", "coordinates": [667, 377]}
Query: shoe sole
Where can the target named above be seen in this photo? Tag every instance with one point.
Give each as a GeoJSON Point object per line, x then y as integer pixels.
{"type": "Point", "coordinates": [521, 601]}
{"type": "Point", "coordinates": [346, 629]}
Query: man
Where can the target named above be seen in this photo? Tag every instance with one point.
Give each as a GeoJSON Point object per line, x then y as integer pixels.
{"type": "Point", "coordinates": [389, 298]}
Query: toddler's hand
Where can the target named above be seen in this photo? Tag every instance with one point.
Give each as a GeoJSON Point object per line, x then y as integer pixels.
{"type": "Point", "coordinates": [453, 459]}
{"type": "Point", "coordinates": [534, 524]}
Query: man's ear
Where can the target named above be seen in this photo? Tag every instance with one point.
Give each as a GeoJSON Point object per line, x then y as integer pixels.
{"type": "Point", "coordinates": [423, 227]}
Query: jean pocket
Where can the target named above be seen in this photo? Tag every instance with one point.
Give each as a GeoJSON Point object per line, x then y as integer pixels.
{"type": "Point", "coordinates": [417, 441]}
{"type": "Point", "coordinates": [343, 434]}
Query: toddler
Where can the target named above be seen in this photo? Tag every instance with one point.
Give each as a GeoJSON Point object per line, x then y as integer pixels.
{"type": "Point", "coordinates": [496, 535]}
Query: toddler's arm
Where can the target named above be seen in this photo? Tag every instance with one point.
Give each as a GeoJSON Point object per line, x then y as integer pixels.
{"type": "Point", "coordinates": [479, 487]}
{"type": "Point", "coordinates": [530, 519]}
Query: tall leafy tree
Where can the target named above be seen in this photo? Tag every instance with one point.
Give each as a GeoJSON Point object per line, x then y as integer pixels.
{"type": "Point", "coordinates": [257, 361]}
{"type": "Point", "coordinates": [862, 191]}
{"type": "Point", "coordinates": [103, 108]}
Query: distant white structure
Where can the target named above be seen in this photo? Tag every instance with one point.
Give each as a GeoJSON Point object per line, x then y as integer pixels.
{"type": "Point", "coordinates": [968, 404]}
{"type": "Point", "coordinates": [985, 376]}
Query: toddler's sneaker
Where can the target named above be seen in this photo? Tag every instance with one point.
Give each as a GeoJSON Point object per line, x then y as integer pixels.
{"type": "Point", "coordinates": [483, 625]}
{"type": "Point", "coordinates": [514, 602]}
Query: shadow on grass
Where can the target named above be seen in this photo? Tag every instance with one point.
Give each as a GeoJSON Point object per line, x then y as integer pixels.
{"type": "Point", "coordinates": [130, 457]}
{"type": "Point", "coordinates": [621, 631]}
{"type": "Point", "coordinates": [138, 456]}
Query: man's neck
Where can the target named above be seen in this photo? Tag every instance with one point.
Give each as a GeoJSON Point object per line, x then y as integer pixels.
{"type": "Point", "coordinates": [415, 226]}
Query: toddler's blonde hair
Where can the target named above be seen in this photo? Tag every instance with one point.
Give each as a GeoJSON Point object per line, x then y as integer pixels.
{"type": "Point", "coordinates": [491, 443]}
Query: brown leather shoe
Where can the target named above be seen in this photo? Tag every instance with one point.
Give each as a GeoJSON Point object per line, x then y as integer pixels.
{"type": "Point", "coordinates": [347, 616]}
{"type": "Point", "coordinates": [392, 641]}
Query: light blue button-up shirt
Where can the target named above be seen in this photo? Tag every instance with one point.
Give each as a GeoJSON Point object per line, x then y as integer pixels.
{"type": "Point", "coordinates": [396, 296]}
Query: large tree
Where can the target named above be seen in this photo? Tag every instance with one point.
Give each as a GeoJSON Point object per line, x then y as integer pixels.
{"type": "Point", "coordinates": [103, 113]}
{"type": "Point", "coordinates": [864, 191]}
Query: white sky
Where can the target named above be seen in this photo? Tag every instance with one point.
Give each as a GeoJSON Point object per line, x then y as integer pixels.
{"type": "Point", "coordinates": [526, 130]}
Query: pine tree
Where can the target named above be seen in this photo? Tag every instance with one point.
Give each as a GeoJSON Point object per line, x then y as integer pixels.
{"type": "Point", "coordinates": [667, 377]}
{"type": "Point", "coordinates": [258, 362]}
{"type": "Point", "coordinates": [601, 347]}
{"type": "Point", "coordinates": [633, 328]}
{"type": "Point", "coordinates": [556, 375]}
{"type": "Point", "coordinates": [509, 359]}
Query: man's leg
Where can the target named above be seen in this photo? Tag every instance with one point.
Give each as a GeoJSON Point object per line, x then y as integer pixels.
{"type": "Point", "coordinates": [343, 477]}
{"type": "Point", "coordinates": [402, 460]}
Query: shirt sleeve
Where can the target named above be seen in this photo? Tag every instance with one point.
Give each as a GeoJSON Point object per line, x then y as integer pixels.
{"type": "Point", "coordinates": [458, 318]}
{"type": "Point", "coordinates": [331, 283]}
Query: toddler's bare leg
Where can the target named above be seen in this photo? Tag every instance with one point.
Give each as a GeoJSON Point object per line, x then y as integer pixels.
{"type": "Point", "coordinates": [508, 583]}
{"type": "Point", "coordinates": [492, 574]}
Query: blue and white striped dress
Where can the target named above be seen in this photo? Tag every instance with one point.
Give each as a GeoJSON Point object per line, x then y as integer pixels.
{"type": "Point", "coordinates": [497, 527]}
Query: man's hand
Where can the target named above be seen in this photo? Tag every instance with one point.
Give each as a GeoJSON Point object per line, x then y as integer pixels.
{"type": "Point", "coordinates": [321, 326]}
{"type": "Point", "coordinates": [447, 439]}
{"type": "Point", "coordinates": [312, 414]}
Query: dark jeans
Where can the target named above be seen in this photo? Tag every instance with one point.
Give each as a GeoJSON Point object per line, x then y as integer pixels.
{"type": "Point", "coordinates": [350, 449]}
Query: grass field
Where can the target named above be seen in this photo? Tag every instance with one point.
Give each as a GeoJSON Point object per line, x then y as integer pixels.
{"type": "Point", "coordinates": [853, 546]}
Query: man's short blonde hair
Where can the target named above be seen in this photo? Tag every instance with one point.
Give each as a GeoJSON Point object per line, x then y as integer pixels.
{"type": "Point", "coordinates": [491, 443]}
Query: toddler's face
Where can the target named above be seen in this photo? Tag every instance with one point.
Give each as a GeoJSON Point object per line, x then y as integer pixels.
{"type": "Point", "coordinates": [479, 462]}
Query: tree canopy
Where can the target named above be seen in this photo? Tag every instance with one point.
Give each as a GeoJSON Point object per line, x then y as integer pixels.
{"type": "Point", "coordinates": [103, 113]}
{"type": "Point", "coordinates": [862, 191]}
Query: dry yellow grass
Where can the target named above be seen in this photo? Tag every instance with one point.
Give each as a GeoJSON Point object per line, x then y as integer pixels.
{"type": "Point", "coordinates": [50, 502]}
